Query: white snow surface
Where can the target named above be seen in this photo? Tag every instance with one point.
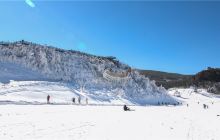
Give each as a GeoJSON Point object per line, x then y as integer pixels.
{"type": "Point", "coordinates": [70, 122]}
{"type": "Point", "coordinates": [101, 122]}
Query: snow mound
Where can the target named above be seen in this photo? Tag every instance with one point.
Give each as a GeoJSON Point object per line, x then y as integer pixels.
{"type": "Point", "coordinates": [31, 61]}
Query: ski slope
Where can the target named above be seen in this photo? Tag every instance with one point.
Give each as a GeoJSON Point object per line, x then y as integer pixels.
{"type": "Point", "coordinates": [69, 122]}
{"type": "Point", "coordinates": [99, 122]}
{"type": "Point", "coordinates": [191, 96]}
{"type": "Point", "coordinates": [35, 92]}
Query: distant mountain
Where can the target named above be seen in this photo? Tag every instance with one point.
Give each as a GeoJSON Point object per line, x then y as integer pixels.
{"type": "Point", "coordinates": [209, 79]}
{"type": "Point", "coordinates": [24, 60]}
{"type": "Point", "coordinates": [168, 80]}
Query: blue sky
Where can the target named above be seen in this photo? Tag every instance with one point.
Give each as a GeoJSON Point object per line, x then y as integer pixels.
{"type": "Point", "coordinates": [180, 37]}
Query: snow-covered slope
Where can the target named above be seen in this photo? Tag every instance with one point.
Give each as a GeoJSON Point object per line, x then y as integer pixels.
{"type": "Point", "coordinates": [10, 71]}
{"type": "Point", "coordinates": [67, 122]}
{"type": "Point", "coordinates": [194, 96]}
{"type": "Point", "coordinates": [80, 70]}
{"type": "Point", "coordinates": [35, 92]}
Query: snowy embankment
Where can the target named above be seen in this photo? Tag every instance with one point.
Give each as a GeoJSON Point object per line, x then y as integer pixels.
{"type": "Point", "coordinates": [35, 92]}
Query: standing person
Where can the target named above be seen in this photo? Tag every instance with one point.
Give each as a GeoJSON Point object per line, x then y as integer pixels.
{"type": "Point", "coordinates": [48, 99]}
{"type": "Point", "coordinates": [73, 100]}
{"type": "Point", "coordinates": [79, 99]}
{"type": "Point", "coordinates": [204, 106]}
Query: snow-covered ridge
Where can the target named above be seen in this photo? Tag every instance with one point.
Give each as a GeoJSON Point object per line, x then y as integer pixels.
{"type": "Point", "coordinates": [82, 70]}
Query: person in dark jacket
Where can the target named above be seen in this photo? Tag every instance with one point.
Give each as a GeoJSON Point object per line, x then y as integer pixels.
{"type": "Point", "coordinates": [73, 100]}
{"type": "Point", "coordinates": [126, 108]}
{"type": "Point", "coordinates": [48, 99]}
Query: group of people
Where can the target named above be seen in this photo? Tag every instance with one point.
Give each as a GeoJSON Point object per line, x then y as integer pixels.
{"type": "Point", "coordinates": [125, 107]}
{"type": "Point", "coordinates": [79, 101]}
{"type": "Point", "coordinates": [165, 103]}
{"type": "Point", "coordinates": [73, 100]}
{"type": "Point", "coordinates": [205, 106]}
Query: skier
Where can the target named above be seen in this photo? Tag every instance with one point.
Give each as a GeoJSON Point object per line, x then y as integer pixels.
{"type": "Point", "coordinates": [79, 99]}
{"type": "Point", "coordinates": [204, 106]}
{"type": "Point", "coordinates": [207, 106]}
{"type": "Point", "coordinates": [48, 99]}
{"type": "Point", "coordinates": [73, 100]}
{"type": "Point", "coordinates": [126, 108]}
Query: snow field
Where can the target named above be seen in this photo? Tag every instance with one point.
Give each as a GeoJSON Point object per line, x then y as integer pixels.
{"type": "Point", "coordinates": [37, 121]}
{"type": "Point", "coordinates": [69, 122]}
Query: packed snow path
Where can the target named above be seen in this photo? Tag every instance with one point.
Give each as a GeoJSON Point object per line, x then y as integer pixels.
{"type": "Point", "coordinates": [71, 122]}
